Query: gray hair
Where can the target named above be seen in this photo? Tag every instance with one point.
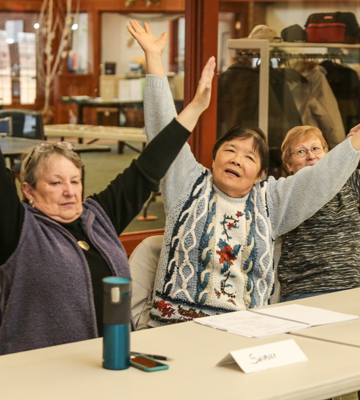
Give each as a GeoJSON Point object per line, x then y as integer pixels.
{"type": "Point", "coordinates": [34, 156]}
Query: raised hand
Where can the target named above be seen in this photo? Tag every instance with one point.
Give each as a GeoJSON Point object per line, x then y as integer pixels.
{"type": "Point", "coordinates": [191, 113]}
{"type": "Point", "coordinates": [203, 92]}
{"type": "Point", "coordinates": [353, 130]}
{"type": "Point", "coordinates": [355, 137]}
{"type": "Point", "coordinates": [148, 42]}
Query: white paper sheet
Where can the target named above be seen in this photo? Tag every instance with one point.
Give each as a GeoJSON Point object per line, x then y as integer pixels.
{"type": "Point", "coordinates": [273, 321]}
{"type": "Point", "coordinates": [308, 315]}
{"type": "Point", "coordinates": [249, 324]}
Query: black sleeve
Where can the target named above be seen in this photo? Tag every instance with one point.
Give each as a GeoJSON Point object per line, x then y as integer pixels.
{"type": "Point", "coordinates": [11, 213]}
{"type": "Point", "coordinates": [123, 199]}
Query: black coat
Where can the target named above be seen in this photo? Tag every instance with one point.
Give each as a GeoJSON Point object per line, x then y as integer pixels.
{"type": "Point", "coordinates": [238, 103]}
{"type": "Point", "coordinates": [345, 83]}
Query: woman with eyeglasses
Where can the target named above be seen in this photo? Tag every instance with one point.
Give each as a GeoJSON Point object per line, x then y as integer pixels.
{"type": "Point", "coordinates": [55, 249]}
{"type": "Point", "coordinates": [321, 255]}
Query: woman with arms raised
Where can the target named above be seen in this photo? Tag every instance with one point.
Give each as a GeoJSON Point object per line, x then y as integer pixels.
{"type": "Point", "coordinates": [217, 254]}
{"type": "Point", "coordinates": [55, 249]}
{"type": "Point", "coordinates": [321, 255]}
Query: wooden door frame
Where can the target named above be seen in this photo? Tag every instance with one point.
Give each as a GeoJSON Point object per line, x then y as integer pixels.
{"type": "Point", "coordinates": [200, 17]}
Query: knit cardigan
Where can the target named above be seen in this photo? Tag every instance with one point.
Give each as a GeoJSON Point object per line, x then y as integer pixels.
{"type": "Point", "coordinates": [218, 251]}
{"type": "Point", "coordinates": [31, 288]}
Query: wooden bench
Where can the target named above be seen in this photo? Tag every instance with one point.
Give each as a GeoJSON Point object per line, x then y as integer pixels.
{"type": "Point", "coordinates": [98, 132]}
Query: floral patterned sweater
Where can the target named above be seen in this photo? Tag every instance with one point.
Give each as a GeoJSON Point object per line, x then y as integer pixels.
{"type": "Point", "coordinates": [217, 254]}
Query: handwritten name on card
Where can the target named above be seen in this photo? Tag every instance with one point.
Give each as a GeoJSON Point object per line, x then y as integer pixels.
{"type": "Point", "coordinates": [266, 356]}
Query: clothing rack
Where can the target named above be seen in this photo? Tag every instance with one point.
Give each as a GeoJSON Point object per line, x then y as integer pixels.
{"type": "Point", "coordinates": [301, 56]}
{"type": "Point", "coordinates": [264, 46]}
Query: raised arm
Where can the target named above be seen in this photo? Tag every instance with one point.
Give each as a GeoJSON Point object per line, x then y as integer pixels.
{"type": "Point", "coordinates": [159, 104]}
{"type": "Point", "coordinates": [153, 47]}
{"type": "Point", "coordinates": [354, 130]}
{"type": "Point", "coordinates": [124, 197]}
{"type": "Point", "coordinates": [296, 198]}
{"type": "Point", "coordinates": [11, 213]}
{"type": "Point", "coordinates": [160, 110]}
{"type": "Point", "coordinates": [191, 113]}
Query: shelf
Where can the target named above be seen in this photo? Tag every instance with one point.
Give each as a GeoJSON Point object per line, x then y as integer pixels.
{"type": "Point", "coordinates": [264, 45]}
{"type": "Point", "coordinates": [254, 43]}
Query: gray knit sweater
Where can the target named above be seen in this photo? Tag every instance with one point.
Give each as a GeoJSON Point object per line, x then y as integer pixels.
{"type": "Point", "coordinates": [218, 251]}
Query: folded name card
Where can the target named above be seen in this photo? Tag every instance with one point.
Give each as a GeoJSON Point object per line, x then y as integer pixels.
{"type": "Point", "coordinates": [266, 356]}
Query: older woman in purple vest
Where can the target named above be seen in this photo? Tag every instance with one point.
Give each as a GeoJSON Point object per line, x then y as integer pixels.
{"type": "Point", "coordinates": [55, 249]}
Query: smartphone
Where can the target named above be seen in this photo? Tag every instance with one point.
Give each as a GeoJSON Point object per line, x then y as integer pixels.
{"type": "Point", "coordinates": [146, 363]}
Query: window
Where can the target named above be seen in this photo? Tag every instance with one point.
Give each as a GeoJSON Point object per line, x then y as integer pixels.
{"type": "Point", "coordinates": [18, 58]}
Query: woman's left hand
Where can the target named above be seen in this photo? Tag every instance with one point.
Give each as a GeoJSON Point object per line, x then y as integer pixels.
{"type": "Point", "coordinates": [148, 42]}
{"type": "Point", "coordinates": [353, 131]}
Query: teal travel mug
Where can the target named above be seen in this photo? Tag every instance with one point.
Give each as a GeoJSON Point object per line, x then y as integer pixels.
{"type": "Point", "coordinates": [117, 311]}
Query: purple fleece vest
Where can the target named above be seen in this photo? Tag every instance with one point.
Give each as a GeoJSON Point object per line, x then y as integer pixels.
{"type": "Point", "coordinates": [47, 296]}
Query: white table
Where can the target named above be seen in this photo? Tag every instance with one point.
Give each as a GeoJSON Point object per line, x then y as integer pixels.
{"type": "Point", "coordinates": [14, 147]}
{"type": "Point", "coordinates": [96, 132]}
{"type": "Point", "coordinates": [346, 301]}
{"type": "Point", "coordinates": [73, 371]}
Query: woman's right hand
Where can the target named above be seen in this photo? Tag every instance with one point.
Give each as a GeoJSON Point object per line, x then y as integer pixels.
{"type": "Point", "coordinates": [203, 92]}
{"type": "Point", "coordinates": [355, 137]}
{"type": "Point", "coordinates": [353, 131]}
{"type": "Point", "coordinates": [148, 42]}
